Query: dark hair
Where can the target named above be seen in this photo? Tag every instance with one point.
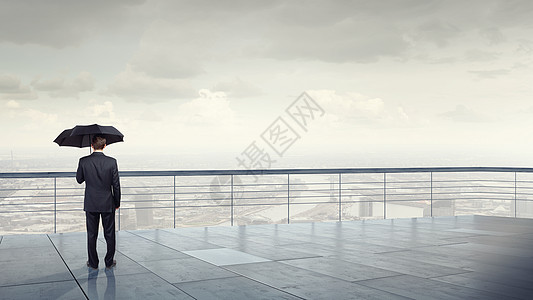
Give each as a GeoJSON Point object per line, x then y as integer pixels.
{"type": "Point", "coordinates": [98, 142]}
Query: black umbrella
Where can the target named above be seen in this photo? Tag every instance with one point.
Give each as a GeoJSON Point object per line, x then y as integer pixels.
{"type": "Point", "coordinates": [81, 135]}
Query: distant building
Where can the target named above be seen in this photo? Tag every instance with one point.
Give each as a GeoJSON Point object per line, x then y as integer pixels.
{"type": "Point", "coordinates": [143, 208]}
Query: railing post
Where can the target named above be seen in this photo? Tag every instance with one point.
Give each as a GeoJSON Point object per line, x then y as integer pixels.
{"type": "Point", "coordinates": [231, 208]}
{"type": "Point", "coordinates": [288, 198]}
{"type": "Point", "coordinates": [431, 193]}
{"type": "Point", "coordinates": [515, 202]}
{"type": "Point", "coordinates": [384, 196]}
{"type": "Point", "coordinates": [55, 204]}
{"type": "Point", "coordinates": [340, 197]}
{"type": "Point", "coordinates": [174, 201]}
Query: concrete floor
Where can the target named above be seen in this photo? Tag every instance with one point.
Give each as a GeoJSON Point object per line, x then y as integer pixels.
{"type": "Point", "coordinates": [468, 257]}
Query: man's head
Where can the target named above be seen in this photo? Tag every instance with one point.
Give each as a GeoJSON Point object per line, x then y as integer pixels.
{"type": "Point", "coordinates": [98, 142]}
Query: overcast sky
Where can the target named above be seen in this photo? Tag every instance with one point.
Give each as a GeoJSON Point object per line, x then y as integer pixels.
{"type": "Point", "coordinates": [180, 77]}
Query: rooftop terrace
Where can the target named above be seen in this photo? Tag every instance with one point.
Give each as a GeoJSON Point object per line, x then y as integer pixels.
{"type": "Point", "coordinates": [474, 257]}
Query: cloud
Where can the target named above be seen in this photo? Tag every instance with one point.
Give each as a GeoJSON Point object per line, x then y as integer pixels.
{"type": "Point", "coordinates": [186, 36]}
{"type": "Point", "coordinates": [39, 117]}
{"type": "Point", "coordinates": [237, 88]}
{"type": "Point", "coordinates": [343, 40]}
{"type": "Point", "coordinates": [489, 74]}
{"type": "Point", "coordinates": [211, 108]}
{"type": "Point", "coordinates": [138, 86]}
{"type": "Point", "coordinates": [509, 13]}
{"type": "Point", "coordinates": [436, 31]}
{"type": "Point", "coordinates": [462, 113]}
{"type": "Point", "coordinates": [357, 109]}
{"type": "Point", "coordinates": [367, 31]}
{"type": "Point", "coordinates": [31, 119]}
{"type": "Point", "coordinates": [103, 111]}
{"type": "Point", "coordinates": [12, 104]}
{"type": "Point", "coordinates": [525, 46]}
{"type": "Point", "coordinates": [493, 35]}
{"type": "Point", "coordinates": [11, 88]}
{"type": "Point", "coordinates": [169, 53]}
{"type": "Point", "coordinates": [9, 83]}
{"type": "Point", "coordinates": [59, 87]}
{"type": "Point", "coordinates": [167, 63]}
{"type": "Point", "coordinates": [149, 115]}
{"type": "Point", "coordinates": [189, 39]}
{"type": "Point", "coordinates": [476, 55]}
{"type": "Point", "coordinates": [58, 23]}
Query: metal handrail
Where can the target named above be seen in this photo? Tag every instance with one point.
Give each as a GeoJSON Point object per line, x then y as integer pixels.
{"type": "Point", "coordinates": [338, 188]}
{"type": "Point", "coordinates": [276, 172]}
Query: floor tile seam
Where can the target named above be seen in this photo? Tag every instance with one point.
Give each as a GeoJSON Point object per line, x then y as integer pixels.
{"type": "Point", "coordinates": [283, 260]}
{"type": "Point", "coordinates": [221, 266]}
{"type": "Point", "coordinates": [165, 230]}
{"type": "Point", "coordinates": [439, 264]}
{"type": "Point", "coordinates": [514, 251]}
{"type": "Point", "coordinates": [481, 250]}
{"type": "Point", "coordinates": [296, 242]}
{"type": "Point", "coordinates": [33, 283]}
{"type": "Point", "coordinates": [280, 245]}
{"type": "Point", "coordinates": [492, 264]}
{"type": "Point", "coordinates": [68, 268]}
{"type": "Point", "coordinates": [379, 277]}
{"type": "Point", "coordinates": [50, 248]}
{"type": "Point", "coordinates": [361, 264]}
{"type": "Point", "coordinates": [307, 270]}
{"type": "Point", "coordinates": [418, 248]}
{"type": "Point", "coordinates": [434, 265]}
{"type": "Point", "coordinates": [361, 282]}
{"type": "Point", "coordinates": [281, 241]}
{"type": "Point", "coordinates": [508, 244]}
{"type": "Point", "coordinates": [137, 261]}
{"type": "Point", "coordinates": [188, 237]}
{"type": "Point", "coordinates": [155, 274]}
{"type": "Point", "coordinates": [303, 236]}
{"type": "Point", "coordinates": [188, 257]}
{"type": "Point", "coordinates": [402, 241]}
{"type": "Point", "coordinates": [158, 243]}
{"type": "Point", "coordinates": [392, 268]}
{"type": "Point", "coordinates": [393, 251]}
{"type": "Point", "coordinates": [255, 280]}
{"type": "Point", "coordinates": [473, 288]}
{"type": "Point", "coordinates": [440, 276]}
{"type": "Point", "coordinates": [453, 274]}
{"type": "Point", "coordinates": [260, 253]}
{"type": "Point", "coordinates": [489, 281]}
{"type": "Point", "coordinates": [460, 286]}
{"type": "Point", "coordinates": [241, 264]}
{"type": "Point", "coordinates": [162, 259]}
{"type": "Point", "coordinates": [206, 280]}
{"type": "Point", "coordinates": [82, 278]}
{"type": "Point", "coordinates": [511, 244]}
{"type": "Point", "coordinates": [195, 281]}
{"type": "Point", "coordinates": [506, 270]}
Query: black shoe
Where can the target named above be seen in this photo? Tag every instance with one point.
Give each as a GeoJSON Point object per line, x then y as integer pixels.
{"type": "Point", "coordinates": [112, 265]}
{"type": "Point", "coordinates": [88, 265]}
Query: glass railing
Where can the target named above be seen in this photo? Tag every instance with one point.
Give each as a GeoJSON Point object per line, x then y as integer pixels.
{"type": "Point", "coordinates": [43, 202]}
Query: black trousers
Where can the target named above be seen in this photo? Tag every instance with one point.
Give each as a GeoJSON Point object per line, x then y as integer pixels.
{"type": "Point", "coordinates": [108, 222]}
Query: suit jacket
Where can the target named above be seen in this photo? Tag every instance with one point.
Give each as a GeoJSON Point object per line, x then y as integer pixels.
{"type": "Point", "coordinates": [102, 183]}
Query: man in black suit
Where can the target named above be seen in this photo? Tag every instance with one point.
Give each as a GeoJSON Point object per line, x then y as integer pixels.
{"type": "Point", "coordinates": [102, 198]}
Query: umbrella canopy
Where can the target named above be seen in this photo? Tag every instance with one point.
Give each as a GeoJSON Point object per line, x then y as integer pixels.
{"type": "Point", "coordinates": [81, 135]}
